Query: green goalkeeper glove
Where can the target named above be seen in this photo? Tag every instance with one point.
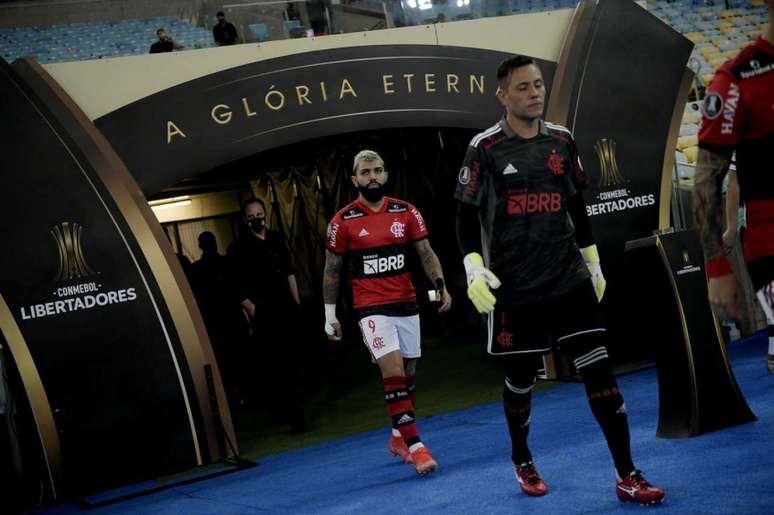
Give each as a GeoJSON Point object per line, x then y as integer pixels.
{"type": "Point", "coordinates": [591, 257]}
{"type": "Point", "coordinates": [480, 280]}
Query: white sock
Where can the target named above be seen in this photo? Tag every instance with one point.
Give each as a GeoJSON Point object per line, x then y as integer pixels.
{"type": "Point", "coordinates": [416, 446]}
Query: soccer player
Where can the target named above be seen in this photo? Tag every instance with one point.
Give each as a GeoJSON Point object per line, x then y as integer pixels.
{"type": "Point", "coordinates": [738, 114]}
{"type": "Point", "coordinates": [376, 233]}
{"type": "Point", "coordinates": [518, 193]}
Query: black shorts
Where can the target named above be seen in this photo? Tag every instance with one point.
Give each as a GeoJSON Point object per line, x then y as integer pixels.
{"type": "Point", "coordinates": [761, 271]}
{"type": "Point", "coordinates": [543, 326]}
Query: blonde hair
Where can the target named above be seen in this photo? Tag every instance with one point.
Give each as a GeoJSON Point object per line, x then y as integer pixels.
{"type": "Point", "coordinates": [368, 156]}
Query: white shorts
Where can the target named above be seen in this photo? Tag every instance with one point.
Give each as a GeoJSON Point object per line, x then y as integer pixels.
{"type": "Point", "coordinates": [766, 298]}
{"type": "Point", "coordinates": [383, 334]}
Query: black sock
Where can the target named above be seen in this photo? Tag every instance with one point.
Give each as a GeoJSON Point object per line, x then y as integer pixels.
{"type": "Point", "coordinates": [517, 403]}
{"type": "Point", "coordinates": [609, 409]}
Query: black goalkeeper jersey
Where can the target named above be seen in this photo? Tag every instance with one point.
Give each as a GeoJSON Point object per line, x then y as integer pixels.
{"type": "Point", "coordinates": [521, 188]}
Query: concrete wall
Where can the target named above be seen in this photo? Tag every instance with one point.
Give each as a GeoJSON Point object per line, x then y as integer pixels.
{"type": "Point", "coordinates": [27, 13]}
{"type": "Point", "coordinates": [200, 206]}
{"type": "Point", "coordinates": [104, 85]}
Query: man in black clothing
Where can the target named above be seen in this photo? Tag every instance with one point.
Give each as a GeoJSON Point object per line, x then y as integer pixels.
{"type": "Point", "coordinates": [165, 43]}
{"type": "Point", "coordinates": [210, 284]}
{"type": "Point", "coordinates": [264, 284]}
{"type": "Point", "coordinates": [224, 32]}
{"type": "Point", "coordinates": [518, 192]}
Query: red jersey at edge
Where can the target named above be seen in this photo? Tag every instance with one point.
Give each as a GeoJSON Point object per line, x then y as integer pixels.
{"type": "Point", "coordinates": [738, 115]}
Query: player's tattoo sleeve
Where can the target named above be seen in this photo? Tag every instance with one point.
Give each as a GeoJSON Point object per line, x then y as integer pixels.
{"type": "Point", "coordinates": [430, 262]}
{"type": "Point", "coordinates": [331, 276]}
{"type": "Point", "coordinates": [708, 200]}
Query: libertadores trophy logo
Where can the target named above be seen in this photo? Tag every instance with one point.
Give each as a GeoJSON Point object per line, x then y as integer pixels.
{"type": "Point", "coordinates": [610, 174]}
{"type": "Point", "coordinates": [83, 289]}
{"type": "Point", "coordinates": [613, 192]}
{"type": "Point", "coordinates": [72, 262]}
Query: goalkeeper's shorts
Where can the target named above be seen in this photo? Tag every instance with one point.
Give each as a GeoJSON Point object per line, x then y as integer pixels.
{"type": "Point", "coordinates": [542, 326]}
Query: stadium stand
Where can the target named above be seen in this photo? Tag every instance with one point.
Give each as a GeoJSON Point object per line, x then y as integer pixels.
{"type": "Point", "coordinates": [718, 34]}
{"type": "Point", "coordinates": [84, 41]}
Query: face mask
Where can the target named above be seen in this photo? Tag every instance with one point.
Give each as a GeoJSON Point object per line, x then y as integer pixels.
{"type": "Point", "coordinates": [372, 194]}
{"type": "Point", "coordinates": [257, 224]}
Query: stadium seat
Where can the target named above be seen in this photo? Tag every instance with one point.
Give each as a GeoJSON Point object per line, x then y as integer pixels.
{"type": "Point", "coordinates": [690, 118]}
{"type": "Point", "coordinates": [258, 31]}
{"type": "Point", "coordinates": [691, 153]}
{"type": "Point", "coordinates": [684, 142]}
{"type": "Point", "coordinates": [689, 129]}
{"type": "Point", "coordinates": [709, 51]}
{"type": "Point", "coordinates": [696, 37]}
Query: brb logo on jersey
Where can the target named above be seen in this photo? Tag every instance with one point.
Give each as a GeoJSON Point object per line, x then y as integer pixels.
{"type": "Point", "coordinates": [379, 265]}
{"type": "Point", "coordinates": [528, 203]}
{"type": "Point", "coordinates": [398, 229]}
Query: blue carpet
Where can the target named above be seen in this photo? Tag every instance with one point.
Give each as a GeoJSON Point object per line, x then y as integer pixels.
{"type": "Point", "coordinates": [728, 471]}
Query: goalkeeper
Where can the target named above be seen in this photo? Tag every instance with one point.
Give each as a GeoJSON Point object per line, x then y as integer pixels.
{"type": "Point", "coordinates": [518, 194]}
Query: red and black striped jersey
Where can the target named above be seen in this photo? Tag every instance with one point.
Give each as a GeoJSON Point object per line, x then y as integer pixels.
{"type": "Point", "coordinates": [738, 115]}
{"type": "Point", "coordinates": [377, 245]}
{"type": "Point", "coordinates": [520, 187]}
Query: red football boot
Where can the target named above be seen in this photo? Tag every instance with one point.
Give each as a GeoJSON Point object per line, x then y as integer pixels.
{"type": "Point", "coordinates": [424, 462]}
{"type": "Point", "coordinates": [634, 488]}
{"type": "Point", "coordinates": [398, 448]}
{"type": "Point", "coordinates": [529, 480]}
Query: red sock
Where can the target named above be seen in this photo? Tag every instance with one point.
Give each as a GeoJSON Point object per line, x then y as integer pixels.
{"type": "Point", "coordinates": [401, 409]}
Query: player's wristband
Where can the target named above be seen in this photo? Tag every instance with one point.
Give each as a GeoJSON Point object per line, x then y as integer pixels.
{"type": "Point", "coordinates": [439, 285]}
{"type": "Point", "coordinates": [330, 313]}
{"type": "Point", "coordinates": [718, 267]}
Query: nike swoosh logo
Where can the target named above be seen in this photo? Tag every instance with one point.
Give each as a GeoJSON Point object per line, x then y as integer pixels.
{"type": "Point", "coordinates": [629, 491]}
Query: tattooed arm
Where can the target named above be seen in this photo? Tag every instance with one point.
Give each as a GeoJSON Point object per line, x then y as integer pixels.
{"type": "Point", "coordinates": [723, 290]}
{"type": "Point", "coordinates": [331, 278]}
{"type": "Point", "coordinates": [432, 267]}
{"type": "Point", "coordinates": [731, 234]}
{"type": "Point", "coordinates": [711, 167]}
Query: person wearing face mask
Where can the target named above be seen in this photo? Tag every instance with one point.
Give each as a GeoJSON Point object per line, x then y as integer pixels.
{"type": "Point", "coordinates": [376, 233]}
{"type": "Point", "coordinates": [264, 284]}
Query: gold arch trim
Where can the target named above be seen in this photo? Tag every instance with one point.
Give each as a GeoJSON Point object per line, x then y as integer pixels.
{"type": "Point", "coordinates": [667, 172]}
{"type": "Point", "coordinates": [36, 394]}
